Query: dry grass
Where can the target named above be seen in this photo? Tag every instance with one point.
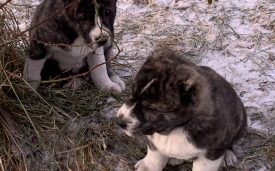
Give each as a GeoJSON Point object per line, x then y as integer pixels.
{"type": "Point", "coordinates": [55, 129]}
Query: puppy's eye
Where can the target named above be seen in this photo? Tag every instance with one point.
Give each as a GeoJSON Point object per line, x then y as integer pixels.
{"type": "Point", "coordinates": [83, 18]}
{"type": "Point", "coordinates": [108, 12]}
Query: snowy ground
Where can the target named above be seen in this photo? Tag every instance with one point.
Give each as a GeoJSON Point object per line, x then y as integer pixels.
{"type": "Point", "coordinates": [235, 38]}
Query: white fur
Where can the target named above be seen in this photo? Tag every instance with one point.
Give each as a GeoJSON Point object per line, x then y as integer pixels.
{"type": "Point", "coordinates": [229, 159]}
{"type": "Point", "coordinates": [204, 164]}
{"type": "Point", "coordinates": [99, 75]}
{"type": "Point", "coordinates": [174, 161]}
{"type": "Point", "coordinates": [176, 144]}
{"type": "Point", "coordinates": [100, 31]}
{"type": "Point", "coordinates": [125, 112]}
{"type": "Point", "coordinates": [72, 57]}
{"type": "Point", "coordinates": [148, 85]}
{"type": "Point", "coordinates": [32, 70]}
{"type": "Point", "coordinates": [154, 161]}
{"type": "Point", "coordinates": [117, 80]}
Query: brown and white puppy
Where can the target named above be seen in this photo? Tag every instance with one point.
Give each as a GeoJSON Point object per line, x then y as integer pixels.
{"type": "Point", "coordinates": [87, 27]}
{"type": "Point", "coordinates": [187, 112]}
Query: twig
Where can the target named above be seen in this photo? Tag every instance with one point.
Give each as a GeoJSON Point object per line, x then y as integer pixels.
{"type": "Point", "coordinates": [10, 73]}
{"type": "Point", "coordinates": [237, 35]}
{"type": "Point", "coordinates": [78, 148]}
{"type": "Point", "coordinates": [5, 4]}
{"type": "Point", "coordinates": [83, 74]}
{"type": "Point", "coordinates": [51, 44]}
{"type": "Point", "coordinates": [268, 139]}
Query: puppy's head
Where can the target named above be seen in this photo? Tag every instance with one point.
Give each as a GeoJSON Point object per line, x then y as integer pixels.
{"type": "Point", "coordinates": [92, 20]}
{"type": "Point", "coordinates": [164, 95]}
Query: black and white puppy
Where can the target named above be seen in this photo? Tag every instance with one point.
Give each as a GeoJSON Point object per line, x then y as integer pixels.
{"type": "Point", "coordinates": [187, 112]}
{"type": "Point", "coordinates": [86, 25]}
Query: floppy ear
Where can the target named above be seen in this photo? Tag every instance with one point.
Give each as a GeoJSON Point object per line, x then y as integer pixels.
{"type": "Point", "coordinates": [187, 85]}
{"type": "Point", "coordinates": [187, 76]}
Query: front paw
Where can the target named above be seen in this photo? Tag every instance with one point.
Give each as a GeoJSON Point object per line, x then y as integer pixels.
{"type": "Point", "coordinates": [112, 87]}
{"type": "Point", "coordinates": [141, 165]}
{"type": "Point", "coordinates": [229, 159]}
{"type": "Point", "coordinates": [118, 81]}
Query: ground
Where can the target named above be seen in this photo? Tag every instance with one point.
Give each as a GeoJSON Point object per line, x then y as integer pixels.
{"type": "Point", "coordinates": [235, 38]}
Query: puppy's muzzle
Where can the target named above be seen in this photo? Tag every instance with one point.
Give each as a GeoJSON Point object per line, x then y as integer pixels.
{"type": "Point", "coordinates": [121, 123]}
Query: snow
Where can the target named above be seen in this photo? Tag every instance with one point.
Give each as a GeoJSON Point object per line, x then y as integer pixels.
{"type": "Point", "coordinates": [246, 62]}
{"type": "Point", "coordinates": [235, 38]}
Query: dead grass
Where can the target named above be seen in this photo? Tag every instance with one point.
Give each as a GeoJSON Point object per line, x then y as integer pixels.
{"type": "Point", "coordinates": [55, 129]}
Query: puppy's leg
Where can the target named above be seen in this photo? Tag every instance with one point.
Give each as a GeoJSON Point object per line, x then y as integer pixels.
{"type": "Point", "coordinates": [32, 71]}
{"type": "Point", "coordinates": [153, 161]}
{"type": "Point", "coordinates": [174, 161]}
{"type": "Point", "coordinates": [112, 75]}
{"type": "Point", "coordinates": [229, 158]}
{"type": "Point", "coordinates": [99, 75]}
{"type": "Point", "coordinates": [204, 164]}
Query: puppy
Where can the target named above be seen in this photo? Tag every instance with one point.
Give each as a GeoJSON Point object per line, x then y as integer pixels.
{"type": "Point", "coordinates": [187, 112]}
{"type": "Point", "coordinates": [85, 25]}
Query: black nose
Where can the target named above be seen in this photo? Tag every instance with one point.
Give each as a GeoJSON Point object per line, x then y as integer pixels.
{"type": "Point", "coordinates": [121, 123]}
{"type": "Point", "coordinates": [101, 40]}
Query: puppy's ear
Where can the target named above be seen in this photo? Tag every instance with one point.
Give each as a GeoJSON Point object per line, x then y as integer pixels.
{"type": "Point", "coordinates": [187, 77]}
{"type": "Point", "coordinates": [187, 85]}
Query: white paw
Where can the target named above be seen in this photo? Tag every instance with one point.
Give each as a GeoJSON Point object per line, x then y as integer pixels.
{"type": "Point", "coordinates": [75, 84]}
{"type": "Point", "coordinates": [117, 80]}
{"type": "Point", "coordinates": [229, 159]}
{"type": "Point", "coordinates": [143, 166]}
{"type": "Point", "coordinates": [174, 161]}
{"type": "Point", "coordinates": [111, 87]}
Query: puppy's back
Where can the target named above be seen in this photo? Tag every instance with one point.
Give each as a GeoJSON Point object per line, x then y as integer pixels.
{"type": "Point", "coordinates": [229, 112]}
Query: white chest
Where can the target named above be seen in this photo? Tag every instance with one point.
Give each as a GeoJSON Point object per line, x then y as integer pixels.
{"type": "Point", "coordinates": [176, 145]}
{"type": "Point", "coordinates": [72, 58]}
